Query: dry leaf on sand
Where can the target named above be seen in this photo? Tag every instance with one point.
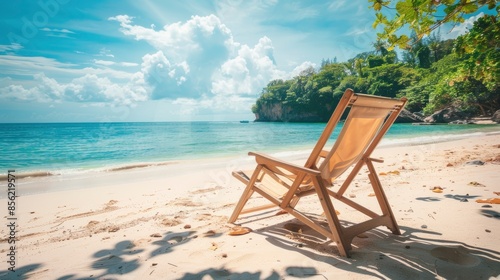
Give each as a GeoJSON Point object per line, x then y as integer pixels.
{"type": "Point", "coordinates": [238, 230]}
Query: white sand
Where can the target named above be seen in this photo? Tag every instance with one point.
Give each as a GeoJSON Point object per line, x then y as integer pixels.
{"type": "Point", "coordinates": [169, 222]}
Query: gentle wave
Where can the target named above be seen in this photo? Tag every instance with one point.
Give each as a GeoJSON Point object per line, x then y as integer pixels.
{"type": "Point", "coordinates": [432, 139]}
{"type": "Point", "coordinates": [113, 168]}
{"type": "Point", "coordinates": [393, 142]}
{"type": "Point", "coordinates": [41, 150]}
{"type": "Point", "coordinates": [138, 165]}
{"type": "Point", "coordinates": [4, 177]}
{"type": "Point", "coordinates": [295, 153]}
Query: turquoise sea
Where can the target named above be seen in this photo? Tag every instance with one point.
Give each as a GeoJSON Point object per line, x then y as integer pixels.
{"type": "Point", "coordinates": [80, 147]}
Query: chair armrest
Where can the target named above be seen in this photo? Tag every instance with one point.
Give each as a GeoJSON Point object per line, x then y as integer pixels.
{"type": "Point", "coordinates": [266, 159]}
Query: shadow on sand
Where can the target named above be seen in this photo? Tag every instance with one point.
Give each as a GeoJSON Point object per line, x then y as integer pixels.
{"type": "Point", "coordinates": [416, 254]}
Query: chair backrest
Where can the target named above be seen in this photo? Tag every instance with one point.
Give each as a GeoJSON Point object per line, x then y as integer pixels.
{"type": "Point", "coordinates": [369, 118]}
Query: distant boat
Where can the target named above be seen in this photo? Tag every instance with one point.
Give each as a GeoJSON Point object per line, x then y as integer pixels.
{"type": "Point", "coordinates": [244, 121]}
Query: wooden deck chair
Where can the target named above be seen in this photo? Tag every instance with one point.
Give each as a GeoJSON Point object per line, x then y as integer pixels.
{"type": "Point", "coordinates": [284, 183]}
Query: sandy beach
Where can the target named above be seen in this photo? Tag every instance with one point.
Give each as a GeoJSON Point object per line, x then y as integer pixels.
{"type": "Point", "coordinates": [170, 222]}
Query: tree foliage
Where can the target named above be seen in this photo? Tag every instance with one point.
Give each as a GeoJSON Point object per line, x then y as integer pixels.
{"type": "Point", "coordinates": [433, 74]}
{"type": "Point", "coordinates": [480, 51]}
{"type": "Point", "coordinates": [422, 16]}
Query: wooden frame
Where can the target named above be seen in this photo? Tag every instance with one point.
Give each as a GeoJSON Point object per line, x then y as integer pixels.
{"type": "Point", "coordinates": [369, 118]}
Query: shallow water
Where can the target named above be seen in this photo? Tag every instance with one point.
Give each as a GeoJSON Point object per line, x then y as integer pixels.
{"type": "Point", "coordinates": [55, 148]}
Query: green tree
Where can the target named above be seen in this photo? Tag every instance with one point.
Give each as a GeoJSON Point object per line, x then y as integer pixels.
{"type": "Point", "coordinates": [380, 47]}
{"type": "Point", "coordinates": [390, 79]}
{"type": "Point", "coordinates": [433, 91]}
{"type": "Point", "coordinates": [480, 52]}
{"type": "Point", "coordinates": [434, 44]}
{"type": "Point", "coordinates": [422, 16]}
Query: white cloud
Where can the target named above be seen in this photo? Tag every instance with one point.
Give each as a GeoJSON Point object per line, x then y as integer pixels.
{"type": "Point", "coordinates": [110, 63]}
{"type": "Point", "coordinates": [461, 28]}
{"type": "Point", "coordinates": [196, 64]}
{"type": "Point", "coordinates": [104, 62]}
{"type": "Point", "coordinates": [199, 58]}
{"type": "Point", "coordinates": [337, 5]}
{"type": "Point", "coordinates": [60, 33]}
{"type": "Point", "coordinates": [128, 64]}
{"type": "Point", "coordinates": [167, 79]}
{"type": "Point", "coordinates": [26, 65]}
{"type": "Point", "coordinates": [305, 65]}
{"type": "Point", "coordinates": [64, 30]}
{"type": "Point", "coordinates": [88, 88]}
{"type": "Point", "coordinates": [10, 48]}
{"type": "Point", "coordinates": [105, 52]}
{"type": "Point", "coordinates": [248, 72]}
{"type": "Point", "coordinates": [179, 40]}
{"type": "Point", "coordinates": [91, 88]}
{"type": "Point", "coordinates": [31, 65]}
{"type": "Point", "coordinates": [50, 88]}
{"type": "Point", "coordinates": [18, 92]}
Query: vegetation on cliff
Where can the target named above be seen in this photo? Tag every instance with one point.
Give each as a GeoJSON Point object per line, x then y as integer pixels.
{"type": "Point", "coordinates": [434, 74]}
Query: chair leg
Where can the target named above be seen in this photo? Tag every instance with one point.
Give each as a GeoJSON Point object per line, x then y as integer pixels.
{"type": "Point", "coordinates": [294, 201]}
{"type": "Point", "coordinates": [336, 229]}
{"type": "Point", "coordinates": [382, 198]}
{"type": "Point", "coordinates": [247, 193]}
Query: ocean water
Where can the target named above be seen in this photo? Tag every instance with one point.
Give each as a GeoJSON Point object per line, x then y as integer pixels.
{"type": "Point", "coordinates": [60, 148]}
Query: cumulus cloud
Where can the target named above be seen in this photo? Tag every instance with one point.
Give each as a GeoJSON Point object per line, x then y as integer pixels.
{"type": "Point", "coordinates": [18, 92]}
{"type": "Point", "coordinates": [305, 65]}
{"type": "Point", "coordinates": [247, 72]}
{"type": "Point", "coordinates": [199, 58]}
{"type": "Point", "coordinates": [88, 88]}
{"type": "Point", "coordinates": [187, 54]}
{"type": "Point", "coordinates": [195, 63]}
{"type": "Point", "coordinates": [182, 40]}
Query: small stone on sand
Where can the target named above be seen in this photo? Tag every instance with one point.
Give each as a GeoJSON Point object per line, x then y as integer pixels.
{"type": "Point", "coordinates": [209, 233]}
{"type": "Point", "coordinates": [475, 162]}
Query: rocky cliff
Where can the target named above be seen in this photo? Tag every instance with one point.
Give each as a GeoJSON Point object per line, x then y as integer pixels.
{"type": "Point", "coordinates": [278, 112]}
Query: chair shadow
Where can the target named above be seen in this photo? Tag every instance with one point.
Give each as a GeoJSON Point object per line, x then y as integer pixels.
{"type": "Point", "coordinates": [415, 253]}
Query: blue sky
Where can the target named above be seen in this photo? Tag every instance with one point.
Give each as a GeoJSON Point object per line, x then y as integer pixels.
{"type": "Point", "coordinates": [152, 60]}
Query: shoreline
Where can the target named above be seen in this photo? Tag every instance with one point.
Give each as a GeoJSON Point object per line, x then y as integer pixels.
{"type": "Point", "coordinates": [37, 182]}
{"type": "Point", "coordinates": [171, 222]}
{"type": "Point", "coordinates": [286, 152]}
